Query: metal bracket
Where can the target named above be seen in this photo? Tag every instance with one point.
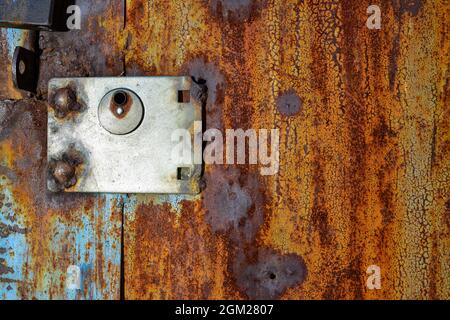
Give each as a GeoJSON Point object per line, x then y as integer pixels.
{"type": "Point", "coordinates": [25, 66]}
{"type": "Point", "coordinates": [114, 134]}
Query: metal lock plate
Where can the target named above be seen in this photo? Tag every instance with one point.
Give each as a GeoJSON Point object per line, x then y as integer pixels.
{"type": "Point", "coordinates": [114, 134]}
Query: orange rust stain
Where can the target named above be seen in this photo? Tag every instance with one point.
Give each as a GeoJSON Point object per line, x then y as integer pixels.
{"type": "Point", "coordinates": [173, 273]}
{"type": "Point", "coordinates": [364, 151]}
{"type": "Point", "coordinates": [7, 153]}
{"type": "Point", "coordinates": [364, 158]}
{"type": "Point", "coordinates": [7, 90]}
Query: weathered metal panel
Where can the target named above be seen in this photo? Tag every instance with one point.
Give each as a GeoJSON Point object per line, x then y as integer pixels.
{"type": "Point", "coordinates": [43, 234]}
{"type": "Point", "coordinates": [364, 173]}
{"type": "Point", "coordinates": [91, 51]}
{"type": "Point", "coordinates": [26, 14]}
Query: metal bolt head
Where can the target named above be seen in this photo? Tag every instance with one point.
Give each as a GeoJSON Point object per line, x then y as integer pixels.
{"type": "Point", "coordinates": [65, 101]}
{"type": "Point", "coordinates": [64, 97]}
{"type": "Point", "coordinates": [64, 173]}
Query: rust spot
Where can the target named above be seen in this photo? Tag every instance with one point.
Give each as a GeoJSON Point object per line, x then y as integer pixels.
{"type": "Point", "coordinates": [7, 230]}
{"type": "Point", "coordinates": [382, 132]}
{"type": "Point", "coordinates": [234, 204]}
{"type": "Point", "coordinates": [237, 10]}
{"type": "Point", "coordinates": [8, 118]}
{"type": "Point", "coordinates": [210, 87]}
{"type": "Point", "coordinates": [121, 103]}
{"type": "Point", "coordinates": [270, 275]}
{"type": "Point", "coordinates": [64, 173]}
{"type": "Point", "coordinates": [447, 213]}
{"type": "Point", "coordinates": [387, 198]}
{"type": "Point", "coordinates": [7, 172]}
{"type": "Point", "coordinates": [4, 268]}
{"type": "Point", "coordinates": [350, 276]}
{"type": "Point", "coordinates": [90, 51]}
{"type": "Point", "coordinates": [410, 6]}
{"type": "Point", "coordinates": [65, 101]}
{"type": "Point", "coordinates": [319, 213]}
{"type": "Point", "coordinates": [25, 123]}
{"type": "Point", "coordinates": [189, 247]}
{"type": "Point", "coordinates": [289, 103]}
{"type": "Point", "coordinates": [393, 59]}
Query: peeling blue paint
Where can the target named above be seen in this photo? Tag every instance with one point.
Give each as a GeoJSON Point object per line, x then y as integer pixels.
{"type": "Point", "coordinates": [14, 38]}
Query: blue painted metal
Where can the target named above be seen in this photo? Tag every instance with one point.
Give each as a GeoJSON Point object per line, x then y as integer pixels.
{"type": "Point", "coordinates": [42, 234]}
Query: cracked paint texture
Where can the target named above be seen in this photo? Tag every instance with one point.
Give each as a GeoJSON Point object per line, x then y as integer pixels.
{"type": "Point", "coordinates": [364, 157]}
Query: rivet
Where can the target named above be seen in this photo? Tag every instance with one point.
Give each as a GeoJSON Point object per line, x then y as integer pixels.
{"type": "Point", "coordinates": [65, 101]}
{"type": "Point", "coordinates": [64, 173]}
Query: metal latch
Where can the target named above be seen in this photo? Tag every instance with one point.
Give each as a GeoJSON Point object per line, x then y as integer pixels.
{"type": "Point", "coordinates": [114, 134]}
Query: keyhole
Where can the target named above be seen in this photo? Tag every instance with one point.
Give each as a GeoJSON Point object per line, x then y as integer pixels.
{"type": "Point", "coordinates": [120, 98]}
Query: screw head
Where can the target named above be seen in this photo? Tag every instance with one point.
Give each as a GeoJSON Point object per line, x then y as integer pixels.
{"type": "Point", "coordinates": [65, 101]}
{"type": "Point", "coordinates": [64, 173]}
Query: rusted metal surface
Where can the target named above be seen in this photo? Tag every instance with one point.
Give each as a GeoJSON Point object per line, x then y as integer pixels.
{"type": "Point", "coordinates": [364, 172]}
{"type": "Point", "coordinates": [91, 51]}
{"type": "Point", "coordinates": [364, 152]}
{"type": "Point", "coordinates": [9, 40]}
{"type": "Point", "coordinates": [43, 234]}
{"type": "Point", "coordinates": [26, 14]}
{"type": "Point", "coordinates": [34, 14]}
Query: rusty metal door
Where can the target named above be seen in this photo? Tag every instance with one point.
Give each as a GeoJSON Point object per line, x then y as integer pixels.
{"type": "Point", "coordinates": [364, 156]}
